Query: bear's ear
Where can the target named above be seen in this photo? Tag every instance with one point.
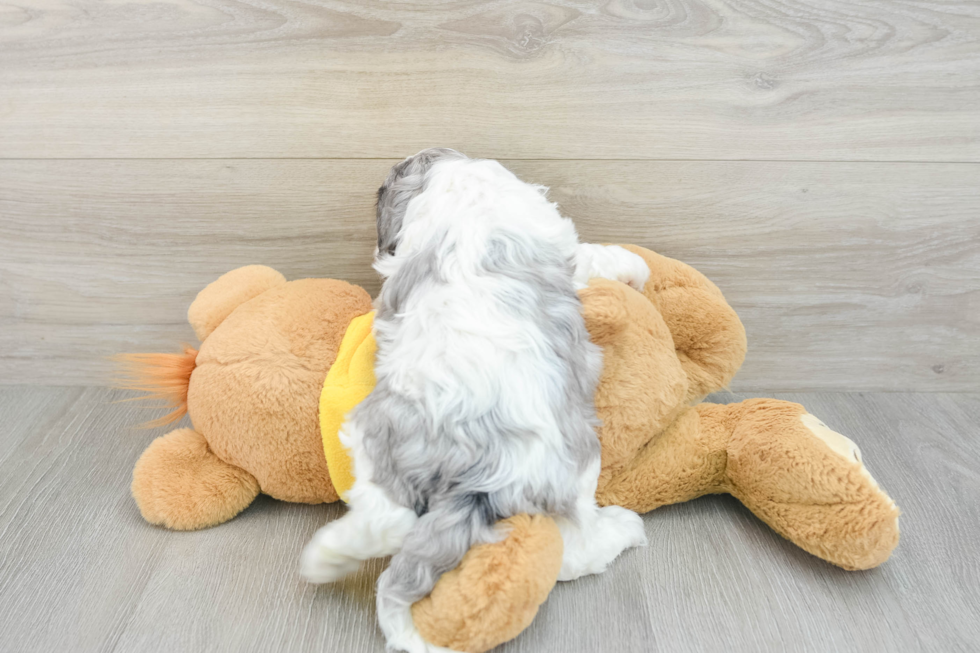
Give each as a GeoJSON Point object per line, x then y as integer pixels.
{"type": "Point", "coordinates": [604, 309]}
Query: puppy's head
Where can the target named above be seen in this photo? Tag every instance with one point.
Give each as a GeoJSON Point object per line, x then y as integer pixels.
{"type": "Point", "coordinates": [404, 181]}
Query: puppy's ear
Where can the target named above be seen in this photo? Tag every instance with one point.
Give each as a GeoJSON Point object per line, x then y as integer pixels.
{"type": "Point", "coordinates": [405, 180]}
{"type": "Point", "coordinates": [604, 309]}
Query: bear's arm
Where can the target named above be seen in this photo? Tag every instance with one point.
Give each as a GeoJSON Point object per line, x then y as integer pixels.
{"type": "Point", "coordinates": [708, 336]}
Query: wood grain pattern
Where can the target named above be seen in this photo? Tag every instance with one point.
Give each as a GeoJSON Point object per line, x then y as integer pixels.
{"type": "Point", "coordinates": [80, 570]}
{"type": "Point", "coordinates": [746, 138]}
{"type": "Point", "coordinates": [691, 79]}
{"type": "Point", "coordinates": [847, 276]}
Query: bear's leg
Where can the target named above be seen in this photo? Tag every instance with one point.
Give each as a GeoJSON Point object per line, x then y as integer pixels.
{"type": "Point", "coordinates": [684, 462]}
{"type": "Point", "coordinates": [495, 592]}
{"type": "Point", "coordinates": [809, 484]}
{"type": "Point", "coordinates": [179, 483]}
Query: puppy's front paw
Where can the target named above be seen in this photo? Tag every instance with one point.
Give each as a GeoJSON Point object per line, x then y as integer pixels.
{"type": "Point", "coordinates": [609, 262]}
{"type": "Point", "coordinates": [323, 561]}
{"type": "Point", "coordinates": [625, 266]}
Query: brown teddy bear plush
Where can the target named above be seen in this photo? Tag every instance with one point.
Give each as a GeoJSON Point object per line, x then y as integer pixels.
{"type": "Point", "coordinates": [254, 389]}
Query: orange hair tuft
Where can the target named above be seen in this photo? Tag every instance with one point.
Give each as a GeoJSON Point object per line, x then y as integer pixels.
{"type": "Point", "coordinates": [159, 376]}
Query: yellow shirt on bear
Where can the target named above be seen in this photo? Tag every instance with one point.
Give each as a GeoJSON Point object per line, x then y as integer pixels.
{"type": "Point", "coordinates": [349, 381]}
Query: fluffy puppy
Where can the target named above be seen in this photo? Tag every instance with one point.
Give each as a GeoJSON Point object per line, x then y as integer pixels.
{"type": "Point", "coordinates": [483, 407]}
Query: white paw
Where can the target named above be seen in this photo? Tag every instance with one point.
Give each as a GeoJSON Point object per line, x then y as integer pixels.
{"type": "Point", "coordinates": [323, 560]}
{"type": "Point", "coordinates": [629, 268]}
{"type": "Point", "coordinates": [590, 549]}
{"type": "Point", "coordinates": [610, 262]}
{"type": "Point", "coordinates": [626, 523]}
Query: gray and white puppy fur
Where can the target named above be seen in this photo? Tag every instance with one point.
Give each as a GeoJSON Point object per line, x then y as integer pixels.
{"type": "Point", "coordinates": [486, 379]}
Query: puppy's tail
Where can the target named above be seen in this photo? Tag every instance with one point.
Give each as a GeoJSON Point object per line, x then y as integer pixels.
{"type": "Point", "coordinates": [435, 545]}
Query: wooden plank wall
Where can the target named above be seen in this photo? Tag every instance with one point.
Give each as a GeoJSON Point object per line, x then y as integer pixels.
{"type": "Point", "coordinates": [817, 159]}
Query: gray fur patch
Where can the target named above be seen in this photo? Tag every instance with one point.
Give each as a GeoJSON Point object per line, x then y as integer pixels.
{"type": "Point", "coordinates": [404, 181]}
{"type": "Point", "coordinates": [414, 274]}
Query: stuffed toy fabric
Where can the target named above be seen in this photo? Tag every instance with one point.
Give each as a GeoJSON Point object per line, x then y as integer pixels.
{"type": "Point", "coordinates": [281, 363]}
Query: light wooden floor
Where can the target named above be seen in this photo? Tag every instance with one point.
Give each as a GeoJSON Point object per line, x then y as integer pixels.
{"type": "Point", "coordinates": [81, 571]}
